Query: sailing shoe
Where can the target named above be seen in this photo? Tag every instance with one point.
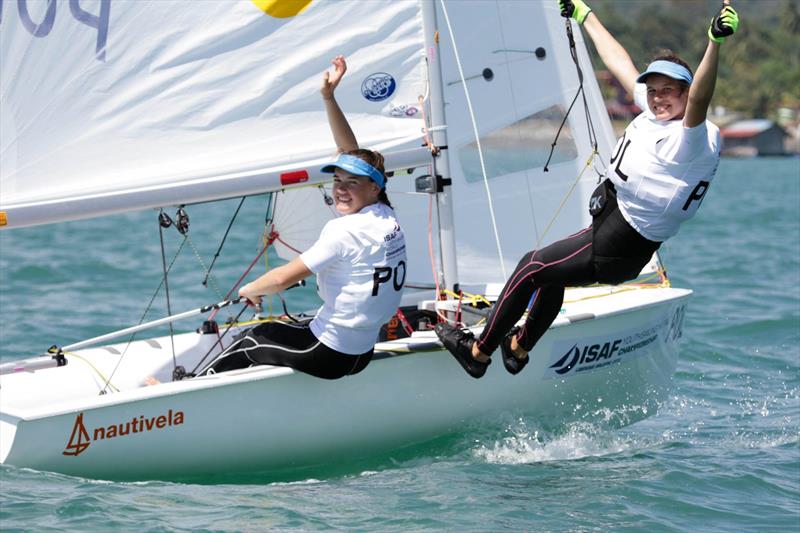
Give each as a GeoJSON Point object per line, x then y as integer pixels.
{"type": "Point", "coordinates": [513, 364]}
{"type": "Point", "coordinates": [459, 343]}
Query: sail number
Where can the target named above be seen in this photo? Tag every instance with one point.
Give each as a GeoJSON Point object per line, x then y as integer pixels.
{"type": "Point", "coordinates": [42, 28]}
{"type": "Point", "coordinates": [381, 275]}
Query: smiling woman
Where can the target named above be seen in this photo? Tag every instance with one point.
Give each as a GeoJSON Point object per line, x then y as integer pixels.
{"type": "Point", "coordinates": [352, 272]}
{"type": "Point", "coordinates": [358, 180]}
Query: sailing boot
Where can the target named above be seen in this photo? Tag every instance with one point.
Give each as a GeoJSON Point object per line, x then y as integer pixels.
{"type": "Point", "coordinates": [459, 343]}
{"type": "Point", "coordinates": [513, 364]}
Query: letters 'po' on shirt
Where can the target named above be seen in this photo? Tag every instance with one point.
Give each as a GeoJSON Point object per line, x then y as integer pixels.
{"type": "Point", "coordinates": [662, 170]}
{"type": "Point", "coordinates": [360, 263]}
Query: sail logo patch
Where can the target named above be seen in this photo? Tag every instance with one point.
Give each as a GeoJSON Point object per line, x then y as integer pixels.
{"type": "Point", "coordinates": [589, 354]}
{"type": "Point", "coordinates": [80, 439]}
{"type": "Point", "coordinates": [377, 87]}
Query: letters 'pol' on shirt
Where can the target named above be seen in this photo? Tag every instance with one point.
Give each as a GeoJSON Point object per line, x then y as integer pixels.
{"type": "Point", "coordinates": [360, 263]}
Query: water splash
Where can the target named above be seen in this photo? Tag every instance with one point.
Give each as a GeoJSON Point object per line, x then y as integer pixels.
{"type": "Point", "coordinates": [525, 443]}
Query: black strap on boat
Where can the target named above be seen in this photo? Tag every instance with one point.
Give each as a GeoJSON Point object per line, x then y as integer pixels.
{"type": "Point", "coordinates": [581, 92]}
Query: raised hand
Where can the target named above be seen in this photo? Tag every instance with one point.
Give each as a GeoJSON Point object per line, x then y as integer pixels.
{"type": "Point", "coordinates": [331, 81]}
{"type": "Point", "coordinates": [724, 24]}
{"type": "Point", "coordinates": [575, 9]}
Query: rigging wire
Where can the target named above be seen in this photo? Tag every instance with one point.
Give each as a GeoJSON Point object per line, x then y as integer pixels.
{"type": "Point", "coordinates": [573, 52]}
{"type": "Point", "coordinates": [162, 223]}
{"type": "Point", "coordinates": [477, 138]}
{"type": "Point", "coordinates": [215, 286]}
{"type": "Point", "coordinates": [222, 243]}
{"type": "Point", "coordinates": [144, 315]}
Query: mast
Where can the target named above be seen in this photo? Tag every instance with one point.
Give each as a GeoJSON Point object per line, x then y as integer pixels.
{"type": "Point", "coordinates": [441, 162]}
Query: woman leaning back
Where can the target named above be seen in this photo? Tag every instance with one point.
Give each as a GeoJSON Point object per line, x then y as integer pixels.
{"type": "Point", "coordinates": [359, 260]}
{"type": "Point", "coordinates": [659, 173]}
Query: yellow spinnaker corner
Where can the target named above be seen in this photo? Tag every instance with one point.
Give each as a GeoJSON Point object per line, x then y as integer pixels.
{"type": "Point", "coordinates": [282, 9]}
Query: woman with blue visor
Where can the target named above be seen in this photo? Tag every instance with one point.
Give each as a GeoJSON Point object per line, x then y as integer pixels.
{"type": "Point", "coordinates": [656, 179]}
{"type": "Point", "coordinates": [359, 260]}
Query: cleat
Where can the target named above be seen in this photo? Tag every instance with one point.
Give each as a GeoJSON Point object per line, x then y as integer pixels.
{"type": "Point", "coordinates": [459, 343]}
{"type": "Point", "coordinates": [513, 364]}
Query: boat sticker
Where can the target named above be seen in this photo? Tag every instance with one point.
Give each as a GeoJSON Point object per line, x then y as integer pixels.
{"type": "Point", "coordinates": [403, 110]}
{"type": "Point", "coordinates": [377, 87]}
{"type": "Point", "coordinates": [588, 354]}
{"type": "Point", "coordinates": [81, 438]}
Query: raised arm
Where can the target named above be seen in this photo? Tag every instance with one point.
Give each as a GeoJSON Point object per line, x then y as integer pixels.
{"type": "Point", "coordinates": [614, 56]}
{"type": "Point", "coordinates": [342, 134]}
{"type": "Point", "coordinates": [702, 89]}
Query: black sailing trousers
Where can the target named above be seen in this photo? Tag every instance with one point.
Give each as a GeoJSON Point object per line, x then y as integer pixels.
{"type": "Point", "coordinates": [608, 251]}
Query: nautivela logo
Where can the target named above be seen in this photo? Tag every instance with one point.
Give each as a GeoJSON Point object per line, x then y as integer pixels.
{"type": "Point", "coordinates": [593, 353]}
{"type": "Point", "coordinates": [81, 438]}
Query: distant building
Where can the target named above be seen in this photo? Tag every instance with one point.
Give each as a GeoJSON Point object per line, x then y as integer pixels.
{"type": "Point", "coordinates": [753, 137]}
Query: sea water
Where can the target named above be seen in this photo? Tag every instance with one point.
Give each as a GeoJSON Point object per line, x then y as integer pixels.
{"type": "Point", "coordinates": [722, 453]}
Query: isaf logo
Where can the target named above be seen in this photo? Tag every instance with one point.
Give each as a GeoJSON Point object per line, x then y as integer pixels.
{"type": "Point", "coordinates": [593, 353]}
{"type": "Point", "coordinates": [586, 354]}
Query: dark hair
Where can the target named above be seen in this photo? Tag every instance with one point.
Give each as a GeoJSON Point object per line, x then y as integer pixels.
{"type": "Point", "coordinates": [665, 54]}
{"type": "Point", "coordinates": [376, 160]}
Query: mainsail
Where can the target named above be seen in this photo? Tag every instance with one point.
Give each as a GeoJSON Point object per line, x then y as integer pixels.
{"type": "Point", "coordinates": [152, 103]}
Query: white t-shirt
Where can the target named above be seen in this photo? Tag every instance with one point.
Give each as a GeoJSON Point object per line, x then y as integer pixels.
{"type": "Point", "coordinates": [360, 263]}
{"type": "Point", "coordinates": [662, 170]}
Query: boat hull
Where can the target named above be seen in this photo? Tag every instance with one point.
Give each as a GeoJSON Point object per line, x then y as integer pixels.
{"type": "Point", "coordinates": [610, 369]}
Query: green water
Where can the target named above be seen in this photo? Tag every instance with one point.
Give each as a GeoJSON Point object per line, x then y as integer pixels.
{"type": "Point", "coordinates": [722, 454]}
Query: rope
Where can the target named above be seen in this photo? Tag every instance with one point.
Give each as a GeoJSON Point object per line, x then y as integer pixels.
{"type": "Point", "coordinates": [106, 381]}
{"type": "Point", "coordinates": [146, 310]}
{"type": "Point", "coordinates": [215, 287]}
{"type": "Point", "coordinates": [235, 285]}
{"type": "Point", "coordinates": [477, 139]}
{"type": "Point", "coordinates": [166, 286]}
{"type": "Point", "coordinates": [566, 197]}
{"type": "Point", "coordinates": [589, 125]}
{"type": "Point", "coordinates": [222, 243]}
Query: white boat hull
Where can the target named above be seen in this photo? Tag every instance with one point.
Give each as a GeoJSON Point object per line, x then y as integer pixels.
{"type": "Point", "coordinates": [272, 419]}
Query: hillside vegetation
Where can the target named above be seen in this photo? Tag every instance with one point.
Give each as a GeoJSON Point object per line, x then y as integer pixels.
{"type": "Point", "coordinates": [759, 67]}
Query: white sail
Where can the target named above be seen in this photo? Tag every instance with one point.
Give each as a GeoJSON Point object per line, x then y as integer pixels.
{"type": "Point", "coordinates": [521, 80]}
{"type": "Point", "coordinates": [159, 102]}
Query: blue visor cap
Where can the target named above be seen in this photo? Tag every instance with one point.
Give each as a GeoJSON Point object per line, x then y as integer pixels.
{"type": "Point", "coordinates": [357, 167]}
{"type": "Point", "coordinates": [667, 68]}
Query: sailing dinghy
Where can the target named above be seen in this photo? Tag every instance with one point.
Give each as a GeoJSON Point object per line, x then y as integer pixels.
{"type": "Point", "coordinates": [120, 105]}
